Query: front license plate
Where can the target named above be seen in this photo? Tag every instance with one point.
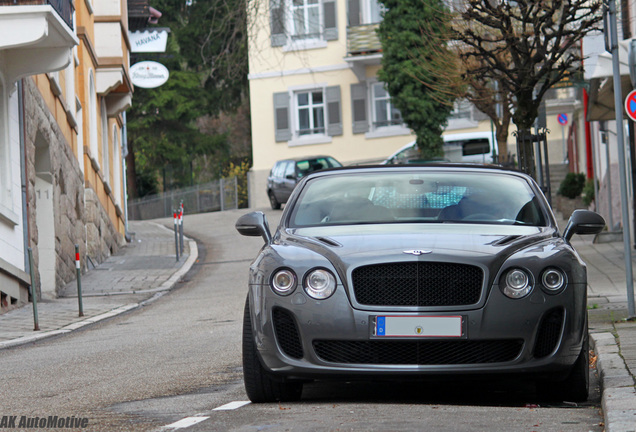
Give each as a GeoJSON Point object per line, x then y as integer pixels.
{"type": "Point", "coordinates": [418, 326]}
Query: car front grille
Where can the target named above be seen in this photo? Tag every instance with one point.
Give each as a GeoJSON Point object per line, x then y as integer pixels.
{"type": "Point", "coordinates": [417, 284]}
{"type": "Point", "coordinates": [456, 352]}
{"type": "Point", "coordinates": [287, 333]}
{"type": "Point", "coordinates": [549, 333]}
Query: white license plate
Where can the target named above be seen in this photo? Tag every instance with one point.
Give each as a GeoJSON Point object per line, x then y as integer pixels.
{"type": "Point", "coordinates": [418, 326]}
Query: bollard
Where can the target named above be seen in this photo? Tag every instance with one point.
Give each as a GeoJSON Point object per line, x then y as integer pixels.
{"type": "Point", "coordinates": [79, 281]}
{"type": "Point", "coordinates": [34, 295]}
{"type": "Point", "coordinates": [176, 235]}
{"type": "Point", "coordinates": [181, 229]}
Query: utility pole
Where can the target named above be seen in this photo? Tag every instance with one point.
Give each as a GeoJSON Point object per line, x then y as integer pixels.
{"type": "Point", "coordinates": [618, 107]}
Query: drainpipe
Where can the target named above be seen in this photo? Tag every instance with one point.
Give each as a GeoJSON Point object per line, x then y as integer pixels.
{"type": "Point", "coordinates": [124, 153]}
{"type": "Point", "coordinates": [23, 176]}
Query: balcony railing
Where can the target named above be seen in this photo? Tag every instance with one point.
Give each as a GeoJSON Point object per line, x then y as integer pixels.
{"type": "Point", "coordinates": [64, 8]}
{"type": "Point", "coordinates": [363, 39]}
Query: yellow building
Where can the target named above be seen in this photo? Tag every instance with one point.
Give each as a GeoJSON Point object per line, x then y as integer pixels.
{"type": "Point", "coordinates": [314, 90]}
{"type": "Point", "coordinates": [64, 84]}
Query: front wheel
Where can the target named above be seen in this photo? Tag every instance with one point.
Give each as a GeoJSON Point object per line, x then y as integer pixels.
{"type": "Point", "coordinates": [576, 386]}
{"type": "Point", "coordinates": [260, 385]}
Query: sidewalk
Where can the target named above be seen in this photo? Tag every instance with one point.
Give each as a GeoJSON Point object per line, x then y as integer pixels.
{"type": "Point", "coordinates": [140, 272]}
{"type": "Point", "coordinates": [612, 337]}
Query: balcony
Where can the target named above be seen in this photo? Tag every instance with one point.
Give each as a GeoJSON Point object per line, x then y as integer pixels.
{"type": "Point", "coordinates": [34, 37]}
{"type": "Point", "coordinates": [363, 48]}
{"type": "Point", "coordinates": [363, 40]}
{"type": "Point", "coordinates": [64, 8]}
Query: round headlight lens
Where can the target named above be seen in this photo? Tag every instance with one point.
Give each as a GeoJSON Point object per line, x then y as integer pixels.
{"type": "Point", "coordinates": [320, 284]}
{"type": "Point", "coordinates": [516, 284]}
{"type": "Point", "coordinates": [553, 279]}
{"type": "Point", "coordinates": [284, 282]}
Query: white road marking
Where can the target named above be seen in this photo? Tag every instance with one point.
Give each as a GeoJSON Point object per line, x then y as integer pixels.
{"type": "Point", "coordinates": [231, 406]}
{"type": "Point", "coordinates": [186, 422]}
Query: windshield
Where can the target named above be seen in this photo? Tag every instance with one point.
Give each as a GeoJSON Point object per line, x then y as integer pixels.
{"type": "Point", "coordinates": [433, 197]}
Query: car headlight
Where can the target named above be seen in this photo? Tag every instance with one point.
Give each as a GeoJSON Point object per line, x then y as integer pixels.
{"type": "Point", "coordinates": [516, 284]}
{"type": "Point", "coordinates": [553, 280]}
{"type": "Point", "coordinates": [284, 282]}
{"type": "Point", "coordinates": [320, 284]}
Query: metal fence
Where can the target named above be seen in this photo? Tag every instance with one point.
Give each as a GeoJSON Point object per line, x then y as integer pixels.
{"type": "Point", "coordinates": [214, 196]}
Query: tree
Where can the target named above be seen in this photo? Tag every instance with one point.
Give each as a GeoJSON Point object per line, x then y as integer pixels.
{"type": "Point", "coordinates": [526, 47]}
{"type": "Point", "coordinates": [423, 105]}
{"type": "Point", "coordinates": [170, 137]}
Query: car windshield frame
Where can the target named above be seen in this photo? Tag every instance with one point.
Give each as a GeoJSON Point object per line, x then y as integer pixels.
{"type": "Point", "coordinates": [418, 196]}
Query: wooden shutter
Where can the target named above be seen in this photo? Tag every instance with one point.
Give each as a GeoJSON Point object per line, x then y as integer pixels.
{"type": "Point", "coordinates": [281, 117]}
{"type": "Point", "coordinates": [359, 108]}
{"type": "Point", "coordinates": [334, 117]}
{"type": "Point", "coordinates": [277, 22]}
{"type": "Point", "coordinates": [354, 12]}
{"type": "Point", "coordinates": [331, 21]}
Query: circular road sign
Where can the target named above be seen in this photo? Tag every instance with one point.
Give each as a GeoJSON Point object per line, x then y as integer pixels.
{"type": "Point", "coordinates": [630, 105]}
{"type": "Point", "coordinates": [563, 119]}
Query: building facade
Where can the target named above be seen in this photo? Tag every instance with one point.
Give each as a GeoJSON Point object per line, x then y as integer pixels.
{"type": "Point", "coordinates": [314, 90]}
{"type": "Point", "coordinates": [64, 86]}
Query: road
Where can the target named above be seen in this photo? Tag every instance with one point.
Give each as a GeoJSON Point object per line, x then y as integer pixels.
{"type": "Point", "coordinates": [177, 362]}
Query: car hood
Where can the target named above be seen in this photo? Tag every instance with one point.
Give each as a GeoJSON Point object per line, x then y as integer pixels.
{"type": "Point", "coordinates": [351, 246]}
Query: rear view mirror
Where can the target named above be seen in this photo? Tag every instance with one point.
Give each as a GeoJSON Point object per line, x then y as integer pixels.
{"type": "Point", "coordinates": [254, 224]}
{"type": "Point", "coordinates": [583, 222]}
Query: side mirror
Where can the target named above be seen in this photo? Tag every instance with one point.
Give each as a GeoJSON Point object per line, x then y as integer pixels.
{"type": "Point", "coordinates": [254, 224]}
{"type": "Point", "coordinates": [583, 222]}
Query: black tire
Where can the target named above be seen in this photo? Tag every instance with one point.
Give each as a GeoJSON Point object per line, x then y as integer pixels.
{"type": "Point", "coordinates": [576, 387]}
{"type": "Point", "coordinates": [273, 201]}
{"type": "Point", "coordinates": [260, 385]}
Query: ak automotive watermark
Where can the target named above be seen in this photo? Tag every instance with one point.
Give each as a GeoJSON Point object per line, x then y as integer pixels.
{"type": "Point", "coordinates": [50, 422]}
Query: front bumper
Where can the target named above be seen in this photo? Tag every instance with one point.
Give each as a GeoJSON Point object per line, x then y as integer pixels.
{"type": "Point", "coordinates": [298, 337]}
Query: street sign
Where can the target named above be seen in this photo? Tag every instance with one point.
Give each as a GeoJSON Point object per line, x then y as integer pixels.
{"type": "Point", "coordinates": [563, 119]}
{"type": "Point", "coordinates": [630, 105]}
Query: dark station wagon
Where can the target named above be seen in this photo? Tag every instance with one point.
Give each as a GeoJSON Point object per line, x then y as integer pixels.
{"type": "Point", "coordinates": [286, 173]}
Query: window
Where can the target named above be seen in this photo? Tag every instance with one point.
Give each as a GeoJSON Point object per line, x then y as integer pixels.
{"type": "Point", "coordinates": [311, 112]}
{"type": "Point", "coordinates": [6, 202]}
{"type": "Point", "coordinates": [116, 167]}
{"type": "Point", "coordinates": [385, 114]}
{"type": "Point", "coordinates": [302, 20]}
{"type": "Point", "coordinates": [92, 118]}
{"type": "Point", "coordinates": [105, 146]}
{"type": "Point", "coordinates": [306, 115]}
{"type": "Point", "coordinates": [306, 19]}
{"type": "Point", "coordinates": [374, 11]}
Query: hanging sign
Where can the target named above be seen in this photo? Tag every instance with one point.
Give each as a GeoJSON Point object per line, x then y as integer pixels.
{"type": "Point", "coordinates": [630, 105]}
{"type": "Point", "coordinates": [149, 74]}
{"type": "Point", "coordinates": [148, 40]}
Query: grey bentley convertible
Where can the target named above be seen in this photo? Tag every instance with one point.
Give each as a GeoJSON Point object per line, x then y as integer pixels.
{"type": "Point", "coordinates": [410, 272]}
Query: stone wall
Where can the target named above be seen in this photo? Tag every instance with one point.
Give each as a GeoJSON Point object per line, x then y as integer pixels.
{"type": "Point", "coordinates": [102, 240]}
{"type": "Point", "coordinates": [78, 216]}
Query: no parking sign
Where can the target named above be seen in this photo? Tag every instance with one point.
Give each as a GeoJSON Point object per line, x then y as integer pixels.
{"type": "Point", "coordinates": [630, 105]}
{"type": "Point", "coordinates": [562, 119]}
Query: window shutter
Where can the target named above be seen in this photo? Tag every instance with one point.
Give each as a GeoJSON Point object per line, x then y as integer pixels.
{"type": "Point", "coordinates": [334, 117]}
{"type": "Point", "coordinates": [331, 22]}
{"type": "Point", "coordinates": [277, 22]}
{"type": "Point", "coordinates": [359, 108]}
{"type": "Point", "coordinates": [281, 117]}
{"type": "Point", "coordinates": [354, 12]}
